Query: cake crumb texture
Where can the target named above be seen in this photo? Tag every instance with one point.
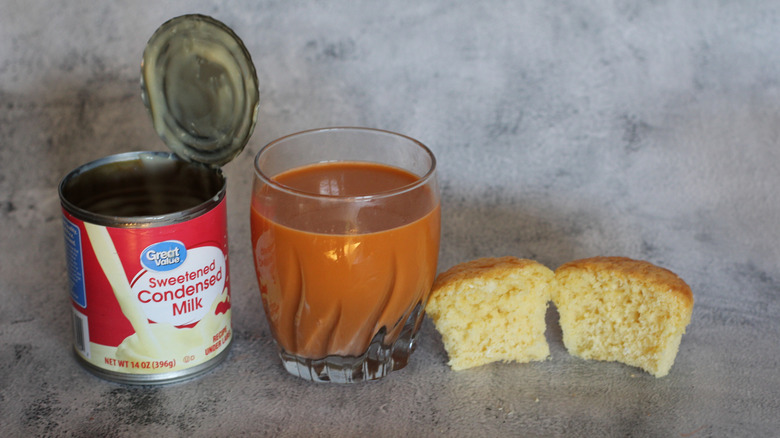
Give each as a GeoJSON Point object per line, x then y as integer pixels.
{"type": "Point", "coordinates": [624, 310]}
{"type": "Point", "coordinates": [492, 309]}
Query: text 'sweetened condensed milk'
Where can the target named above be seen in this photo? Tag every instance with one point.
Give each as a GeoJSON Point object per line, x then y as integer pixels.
{"type": "Point", "coordinates": [146, 232]}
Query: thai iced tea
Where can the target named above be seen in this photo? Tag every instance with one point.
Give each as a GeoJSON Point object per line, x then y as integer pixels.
{"type": "Point", "coordinates": [345, 252]}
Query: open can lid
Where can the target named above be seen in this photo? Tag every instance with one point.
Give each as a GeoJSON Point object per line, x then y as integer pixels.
{"type": "Point", "coordinates": [199, 85]}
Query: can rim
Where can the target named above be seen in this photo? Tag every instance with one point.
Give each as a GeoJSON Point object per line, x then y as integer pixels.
{"type": "Point", "coordinates": [141, 220]}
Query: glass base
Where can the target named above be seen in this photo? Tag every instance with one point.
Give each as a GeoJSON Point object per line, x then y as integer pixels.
{"type": "Point", "coordinates": [377, 362]}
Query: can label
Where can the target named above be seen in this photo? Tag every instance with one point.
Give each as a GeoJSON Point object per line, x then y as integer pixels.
{"type": "Point", "coordinates": [149, 300]}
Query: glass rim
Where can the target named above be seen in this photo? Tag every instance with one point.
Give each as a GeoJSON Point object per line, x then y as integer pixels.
{"type": "Point", "coordinates": [421, 181]}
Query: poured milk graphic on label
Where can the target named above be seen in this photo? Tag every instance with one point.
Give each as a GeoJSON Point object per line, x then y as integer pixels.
{"type": "Point", "coordinates": [177, 304]}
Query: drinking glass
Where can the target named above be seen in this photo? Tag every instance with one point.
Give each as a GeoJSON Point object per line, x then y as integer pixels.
{"type": "Point", "coordinates": [345, 235]}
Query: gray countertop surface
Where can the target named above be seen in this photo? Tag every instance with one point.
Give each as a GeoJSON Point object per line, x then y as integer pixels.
{"type": "Point", "coordinates": [562, 129]}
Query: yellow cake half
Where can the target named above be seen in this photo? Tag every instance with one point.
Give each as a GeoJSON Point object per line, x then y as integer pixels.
{"type": "Point", "coordinates": [492, 309]}
{"type": "Point", "coordinates": [619, 309]}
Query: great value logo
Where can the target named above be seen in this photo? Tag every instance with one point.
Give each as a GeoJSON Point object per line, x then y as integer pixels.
{"type": "Point", "coordinates": [164, 256]}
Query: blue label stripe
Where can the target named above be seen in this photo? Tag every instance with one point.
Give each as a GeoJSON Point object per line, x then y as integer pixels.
{"type": "Point", "coordinates": [75, 262]}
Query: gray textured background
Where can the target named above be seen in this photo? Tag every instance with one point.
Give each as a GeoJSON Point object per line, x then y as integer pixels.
{"type": "Point", "coordinates": [563, 130]}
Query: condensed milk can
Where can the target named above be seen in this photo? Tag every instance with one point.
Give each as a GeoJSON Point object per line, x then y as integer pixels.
{"type": "Point", "coordinates": [146, 232]}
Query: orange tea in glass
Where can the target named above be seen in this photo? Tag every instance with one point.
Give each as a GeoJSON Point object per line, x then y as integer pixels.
{"type": "Point", "coordinates": [345, 235]}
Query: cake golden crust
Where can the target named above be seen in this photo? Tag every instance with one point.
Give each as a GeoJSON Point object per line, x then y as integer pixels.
{"type": "Point", "coordinates": [634, 269]}
{"type": "Point", "coordinates": [495, 267]}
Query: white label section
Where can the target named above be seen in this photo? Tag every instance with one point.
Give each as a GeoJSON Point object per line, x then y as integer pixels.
{"type": "Point", "coordinates": [183, 295]}
{"type": "Point", "coordinates": [81, 333]}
